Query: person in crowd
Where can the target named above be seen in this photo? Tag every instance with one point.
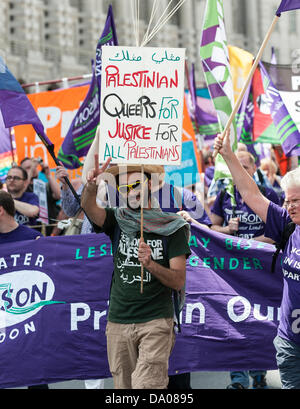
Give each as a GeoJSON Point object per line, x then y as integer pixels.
{"type": "Point", "coordinates": [217, 185]}
{"type": "Point", "coordinates": [1, 185]}
{"type": "Point", "coordinates": [241, 221]}
{"type": "Point", "coordinates": [276, 219]}
{"type": "Point", "coordinates": [269, 167]}
{"type": "Point", "coordinates": [11, 232]}
{"type": "Point", "coordinates": [209, 168]}
{"type": "Point", "coordinates": [10, 229]}
{"type": "Point", "coordinates": [53, 191]}
{"type": "Point", "coordinates": [136, 359]}
{"type": "Point", "coordinates": [26, 203]}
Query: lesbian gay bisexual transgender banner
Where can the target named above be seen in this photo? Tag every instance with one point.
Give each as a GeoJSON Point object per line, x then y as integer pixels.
{"type": "Point", "coordinates": [54, 301]}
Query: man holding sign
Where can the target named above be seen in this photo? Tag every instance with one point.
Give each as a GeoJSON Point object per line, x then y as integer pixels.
{"type": "Point", "coordinates": [140, 329]}
{"type": "Point", "coordinates": [142, 92]}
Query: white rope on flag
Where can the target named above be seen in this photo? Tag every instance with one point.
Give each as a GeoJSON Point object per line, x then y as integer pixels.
{"type": "Point", "coordinates": [135, 11]}
{"type": "Point", "coordinates": [153, 12]}
{"type": "Point", "coordinates": [162, 21]}
{"type": "Point", "coordinates": [133, 18]}
{"type": "Point", "coordinates": [138, 22]}
{"type": "Point", "coordinates": [158, 21]}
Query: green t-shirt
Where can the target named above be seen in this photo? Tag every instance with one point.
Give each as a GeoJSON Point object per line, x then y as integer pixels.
{"type": "Point", "coordinates": [127, 304]}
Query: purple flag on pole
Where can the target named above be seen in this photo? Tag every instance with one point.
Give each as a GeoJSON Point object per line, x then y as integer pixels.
{"type": "Point", "coordinates": [83, 128]}
{"type": "Point", "coordinates": [244, 118]}
{"type": "Point", "coordinates": [15, 106]}
{"type": "Point", "coordinates": [286, 129]}
{"type": "Point", "coordinates": [108, 37]}
{"type": "Point", "coordinates": [287, 5]}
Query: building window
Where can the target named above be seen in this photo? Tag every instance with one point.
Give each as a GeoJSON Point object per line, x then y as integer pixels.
{"type": "Point", "coordinates": [293, 23]}
{"type": "Point", "coordinates": [239, 13]}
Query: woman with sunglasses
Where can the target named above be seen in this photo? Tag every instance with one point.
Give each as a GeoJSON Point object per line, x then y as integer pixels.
{"type": "Point", "coordinates": [287, 342]}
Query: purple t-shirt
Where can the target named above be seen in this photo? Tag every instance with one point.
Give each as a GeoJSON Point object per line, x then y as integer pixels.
{"type": "Point", "coordinates": [21, 233]}
{"type": "Point", "coordinates": [250, 224]}
{"type": "Point", "coordinates": [173, 199]}
{"type": "Point", "coordinates": [289, 326]}
{"type": "Point", "coordinates": [30, 198]}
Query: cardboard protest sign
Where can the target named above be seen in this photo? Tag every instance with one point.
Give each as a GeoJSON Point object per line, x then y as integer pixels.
{"type": "Point", "coordinates": [142, 105]}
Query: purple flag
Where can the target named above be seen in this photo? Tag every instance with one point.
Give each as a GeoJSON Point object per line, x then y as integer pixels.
{"type": "Point", "coordinates": [54, 303]}
{"type": "Point", "coordinates": [244, 117]}
{"type": "Point", "coordinates": [8, 153]}
{"type": "Point", "coordinates": [286, 129]}
{"type": "Point", "coordinates": [83, 128]}
{"type": "Point", "coordinates": [206, 124]}
{"type": "Point", "coordinates": [84, 125]}
{"type": "Point", "coordinates": [287, 5]}
{"type": "Point", "coordinates": [15, 106]}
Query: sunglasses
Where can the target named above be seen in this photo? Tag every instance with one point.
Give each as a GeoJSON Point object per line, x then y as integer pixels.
{"type": "Point", "coordinates": [125, 189]}
{"type": "Point", "coordinates": [9, 178]}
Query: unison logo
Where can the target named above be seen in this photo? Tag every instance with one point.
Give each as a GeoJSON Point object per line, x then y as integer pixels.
{"type": "Point", "coordinates": [23, 294]}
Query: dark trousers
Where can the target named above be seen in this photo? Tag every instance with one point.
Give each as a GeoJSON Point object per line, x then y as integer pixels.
{"type": "Point", "coordinates": [180, 381]}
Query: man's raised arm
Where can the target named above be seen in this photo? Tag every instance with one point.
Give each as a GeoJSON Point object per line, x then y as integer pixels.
{"type": "Point", "coordinates": [88, 198]}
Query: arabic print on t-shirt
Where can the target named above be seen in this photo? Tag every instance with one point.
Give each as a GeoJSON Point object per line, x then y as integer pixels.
{"type": "Point", "coordinates": [128, 248]}
{"type": "Point", "coordinates": [127, 303]}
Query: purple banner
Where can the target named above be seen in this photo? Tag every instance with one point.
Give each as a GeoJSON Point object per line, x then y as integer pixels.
{"type": "Point", "coordinates": [54, 302]}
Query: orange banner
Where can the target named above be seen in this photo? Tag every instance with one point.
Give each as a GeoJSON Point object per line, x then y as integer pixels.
{"type": "Point", "coordinates": [56, 109]}
{"type": "Point", "coordinates": [188, 133]}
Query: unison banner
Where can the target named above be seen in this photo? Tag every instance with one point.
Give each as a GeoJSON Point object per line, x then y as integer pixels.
{"type": "Point", "coordinates": [54, 301]}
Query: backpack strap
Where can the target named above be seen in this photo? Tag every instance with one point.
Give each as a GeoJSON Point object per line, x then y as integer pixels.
{"type": "Point", "coordinates": [260, 177]}
{"type": "Point", "coordinates": [116, 239]}
{"type": "Point", "coordinates": [287, 232]}
{"type": "Point", "coordinates": [114, 248]}
{"type": "Point", "coordinates": [175, 293]}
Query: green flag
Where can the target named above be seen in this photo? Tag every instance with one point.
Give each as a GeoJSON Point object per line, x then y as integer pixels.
{"type": "Point", "coordinates": [215, 61]}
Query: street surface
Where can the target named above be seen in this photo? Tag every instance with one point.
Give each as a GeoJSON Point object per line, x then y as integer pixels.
{"type": "Point", "coordinates": [199, 380]}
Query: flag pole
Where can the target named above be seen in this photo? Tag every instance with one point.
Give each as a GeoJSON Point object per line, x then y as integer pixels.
{"type": "Point", "coordinates": [50, 149]}
{"type": "Point", "coordinates": [142, 224]}
{"type": "Point", "coordinates": [249, 78]}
